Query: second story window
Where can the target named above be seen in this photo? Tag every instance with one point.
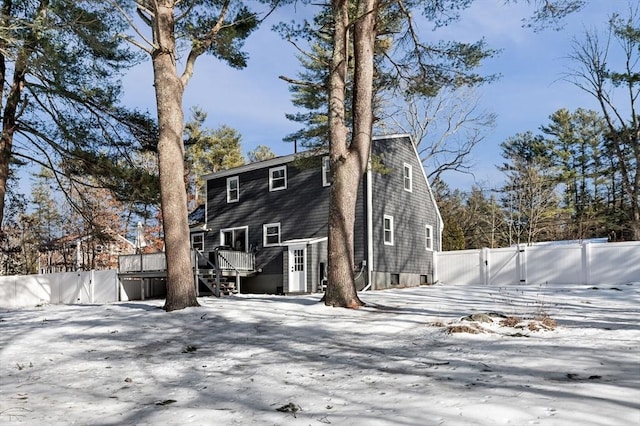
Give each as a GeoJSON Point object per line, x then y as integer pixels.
{"type": "Point", "coordinates": [326, 171]}
{"type": "Point", "coordinates": [233, 189]}
{"type": "Point", "coordinates": [408, 177]}
{"type": "Point", "coordinates": [278, 178]}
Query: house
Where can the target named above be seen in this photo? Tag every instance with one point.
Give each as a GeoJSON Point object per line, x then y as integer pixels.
{"type": "Point", "coordinates": [83, 253]}
{"type": "Point", "coordinates": [277, 210]}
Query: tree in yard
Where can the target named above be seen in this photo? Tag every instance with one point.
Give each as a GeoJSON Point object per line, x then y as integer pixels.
{"type": "Point", "coordinates": [485, 224]}
{"type": "Point", "coordinates": [10, 243]}
{"type": "Point", "coordinates": [260, 153]}
{"type": "Point", "coordinates": [445, 127]}
{"type": "Point", "coordinates": [471, 219]}
{"type": "Point", "coordinates": [615, 85]}
{"type": "Point", "coordinates": [60, 63]}
{"type": "Point", "coordinates": [450, 116]}
{"type": "Point", "coordinates": [578, 140]}
{"type": "Point", "coordinates": [354, 71]}
{"type": "Point", "coordinates": [450, 204]}
{"type": "Point", "coordinates": [182, 31]}
{"type": "Point", "coordinates": [209, 151]}
{"type": "Point", "coordinates": [20, 239]}
{"type": "Point", "coordinates": [530, 194]}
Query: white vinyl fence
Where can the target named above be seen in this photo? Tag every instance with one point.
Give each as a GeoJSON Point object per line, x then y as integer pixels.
{"type": "Point", "coordinates": [64, 288]}
{"type": "Point", "coordinates": [586, 263]}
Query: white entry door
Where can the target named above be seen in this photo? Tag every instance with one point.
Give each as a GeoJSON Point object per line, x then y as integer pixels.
{"type": "Point", "coordinates": [297, 268]}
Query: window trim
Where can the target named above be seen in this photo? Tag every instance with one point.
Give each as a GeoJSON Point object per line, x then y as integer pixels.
{"type": "Point", "coordinates": [193, 236]}
{"type": "Point", "coordinates": [326, 171]}
{"type": "Point", "coordinates": [271, 172]}
{"type": "Point", "coordinates": [246, 235]}
{"type": "Point", "coordinates": [237, 190]}
{"type": "Point", "coordinates": [265, 235]}
{"type": "Point", "coordinates": [428, 237]}
{"type": "Point", "coordinates": [407, 177]}
{"type": "Point", "coordinates": [390, 241]}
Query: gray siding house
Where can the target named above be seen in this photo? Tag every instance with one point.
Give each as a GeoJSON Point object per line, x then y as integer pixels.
{"type": "Point", "coordinates": [278, 210]}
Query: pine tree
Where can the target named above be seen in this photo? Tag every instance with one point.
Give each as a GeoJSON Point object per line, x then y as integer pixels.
{"type": "Point", "coordinates": [60, 64]}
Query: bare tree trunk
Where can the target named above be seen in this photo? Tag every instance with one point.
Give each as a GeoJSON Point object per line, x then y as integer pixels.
{"type": "Point", "coordinates": [181, 291]}
{"type": "Point", "coordinates": [348, 162]}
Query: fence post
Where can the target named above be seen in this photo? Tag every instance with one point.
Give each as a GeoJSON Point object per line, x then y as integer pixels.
{"type": "Point", "coordinates": [92, 284]}
{"type": "Point", "coordinates": [522, 263]}
{"type": "Point", "coordinates": [586, 263]}
{"type": "Point", "coordinates": [485, 264]}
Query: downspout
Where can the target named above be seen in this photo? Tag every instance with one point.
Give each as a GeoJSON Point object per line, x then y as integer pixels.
{"type": "Point", "coordinates": [369, 207]}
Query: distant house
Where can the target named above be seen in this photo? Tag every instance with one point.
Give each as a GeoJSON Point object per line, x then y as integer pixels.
{"type": "Point", "coordinates": [277, 210]}
{"type": "Point", "coordinates": [82, 253]}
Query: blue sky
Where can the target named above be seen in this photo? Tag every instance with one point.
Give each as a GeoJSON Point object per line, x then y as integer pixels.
{"type": "Point", "coordinates": [254, 101]}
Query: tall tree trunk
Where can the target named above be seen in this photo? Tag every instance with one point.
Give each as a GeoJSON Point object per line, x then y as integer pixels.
{"type": "Point", "coordinates": [9, 125]}
{"type": "Point", "coordinates": [11, 108]}
{"type": "Point", "coordinates": [348, 161]}
{"type": "Point", "coordinates": [169, 91]}
{"type": "Point", "coordinates": [6, 140]}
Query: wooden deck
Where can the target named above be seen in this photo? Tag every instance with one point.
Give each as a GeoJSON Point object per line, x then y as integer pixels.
{"type": "Point", "coordinates": [213, 269]}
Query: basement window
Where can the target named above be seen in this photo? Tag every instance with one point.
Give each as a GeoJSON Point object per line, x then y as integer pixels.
{"type": "Point", "coordinates": [395, 279]}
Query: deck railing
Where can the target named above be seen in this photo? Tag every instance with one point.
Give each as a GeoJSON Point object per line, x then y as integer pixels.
{"type": "Point", "coordinates": [142, 262]}
{"type": "Point", "coordinates": [228, 260]}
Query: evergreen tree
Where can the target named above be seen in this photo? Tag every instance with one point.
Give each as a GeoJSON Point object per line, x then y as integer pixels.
{"type": "Point", "coordinates": [260, 153]}
{"type": "Point", "coordinates": [60, 63]}
{"type": "Point", "coordinates": [578, 140]}
{"type": "Point", "coordinates": [453, 214]}
{"type": "Point", "coordinates": [197, 27]}
{"type": "Point", "coordinates": [354, 72]}
{"type": "Point", "coordinates": [530, 195]}
{"type": "Point", "coordinates": [486, 222]}
{"type": "Point", "coordinates": [208, 151]}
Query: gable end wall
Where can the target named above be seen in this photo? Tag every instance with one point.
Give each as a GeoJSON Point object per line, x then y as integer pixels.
{"type": "Point", "coordinates": [411, 212]}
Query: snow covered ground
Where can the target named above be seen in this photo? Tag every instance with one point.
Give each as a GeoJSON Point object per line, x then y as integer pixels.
{"type": "Point", "coordinates": [411, 358]}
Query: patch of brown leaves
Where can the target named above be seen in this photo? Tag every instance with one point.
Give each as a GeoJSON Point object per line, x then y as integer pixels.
{"type": "Point", "coordinates": [510, 321]}
{"type": "Point", "coordinates": [463, 329]}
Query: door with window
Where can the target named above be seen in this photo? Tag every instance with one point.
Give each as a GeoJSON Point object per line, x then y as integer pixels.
{"type": "Point", "coordinates": [297, 268]}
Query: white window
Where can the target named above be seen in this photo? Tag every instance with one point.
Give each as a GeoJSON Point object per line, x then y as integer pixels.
{"type": "Point", "coordinates": [271, 233]}
{"type": "Point", "coordinates": [233, 189]}
{"type": "Point", "coordinates": [326, 171]}
{"type": "Point", "coordinates": [388, 230]}
{"type": "Point", "coordinates": [278, 178]}
{"type": "Point", "coordinates": [197, 241]}
{"type": "Point", "coordinates": [428, 237]}
{"type": "Point", "coordinates": [235, 238]}
{"type": "Point", "coordinates": [408, 177]}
